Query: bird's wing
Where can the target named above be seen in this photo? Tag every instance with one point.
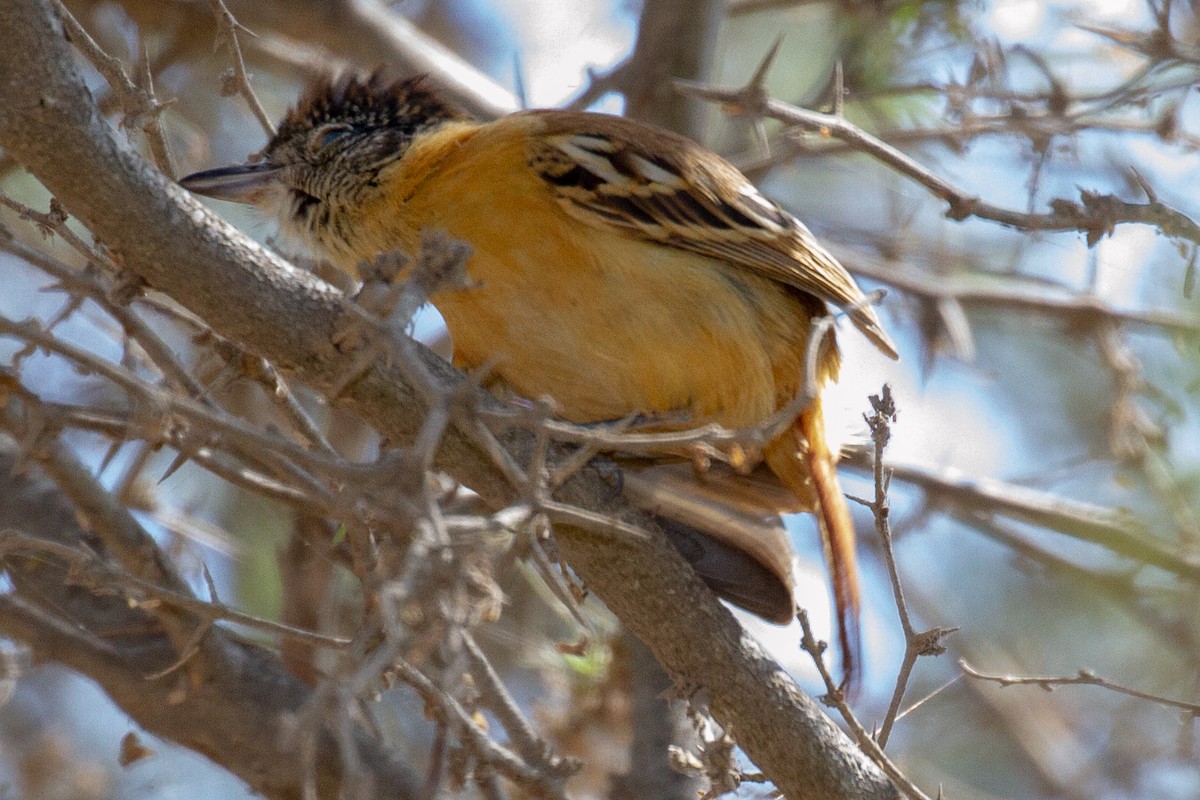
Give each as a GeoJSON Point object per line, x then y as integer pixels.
{"type": "Point", "coordinates": [667, 189]}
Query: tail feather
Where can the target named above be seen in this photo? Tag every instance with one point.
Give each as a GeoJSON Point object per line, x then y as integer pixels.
{"type": "Point", "coordinates": [837, 533]}
{"type": "Point", "coordinates": [744, 553]}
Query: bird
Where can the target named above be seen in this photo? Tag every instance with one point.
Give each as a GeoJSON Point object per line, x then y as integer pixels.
{"type": "Point", "coordinates": [620, 269]}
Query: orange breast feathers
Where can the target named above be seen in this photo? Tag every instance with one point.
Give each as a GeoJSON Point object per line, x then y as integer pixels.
{"type": "Point", "coordinates": [605, 319]}
{"type": "Point", "coordinates": [605, 323]}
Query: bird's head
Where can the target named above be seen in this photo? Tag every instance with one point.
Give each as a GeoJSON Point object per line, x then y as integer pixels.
{"type": "Point", "coordinates": [328, 153]}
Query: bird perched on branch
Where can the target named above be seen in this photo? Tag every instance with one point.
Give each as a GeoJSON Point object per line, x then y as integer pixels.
{"type": "Point", "coordinates": [617, 268]}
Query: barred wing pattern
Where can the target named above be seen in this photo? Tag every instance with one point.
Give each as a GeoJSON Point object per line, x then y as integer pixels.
{"type": "Point", "coordinates": [667, 189]}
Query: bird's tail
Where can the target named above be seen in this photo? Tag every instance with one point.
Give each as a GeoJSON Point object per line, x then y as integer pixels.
{"type": "Point", "coordinates": [812, 476]}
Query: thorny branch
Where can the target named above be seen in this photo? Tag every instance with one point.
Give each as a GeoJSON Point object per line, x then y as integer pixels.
{"type": "Point", "coordinates": [837, 699]}
{"type": "Point", "coordinates": [951, 296]}
{"type": "Point", "coordinates": [142, 109]}
{"type": "Point", "coordinates": [916, 643]}
{"type": "Point", "coordinates": [266, 450]}
{"type": "Point", "coordinates": [1094, 214]}
{"type": "Point", "coordinates": [237, 80]}
{"type": "Point", "coordinates": [101, 577]}
{"type": "Point", "coordinates": [308, 465]}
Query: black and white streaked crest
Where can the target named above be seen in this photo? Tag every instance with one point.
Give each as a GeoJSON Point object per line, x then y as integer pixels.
{"type": "Point", "coordinates": [364, 105]}
{"type": "Point", "coordinates": [331, 147]}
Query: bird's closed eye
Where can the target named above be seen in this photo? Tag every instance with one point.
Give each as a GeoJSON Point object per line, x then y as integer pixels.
{"type": "Point", "coordinates": [325, 136]}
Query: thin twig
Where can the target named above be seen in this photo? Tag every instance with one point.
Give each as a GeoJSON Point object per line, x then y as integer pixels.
{"type": "Point", "coordinates": [142, 109]}
{"type": "Point", "coordinates": [238, 80]}
{"type": "Point", "coordinates": [148, 595]}
{"type": "Point", "coordinates": [738, 446]}
{"type": "Point", "coordinates": [90, 285]}
{"type": "Point", "coordinates": [1083, 678]}
{"type": "Point", "coordinates": [1077, 310]}
{"type": "Point", "coordinates": [495, 696]}
{"type": "Point", "coordinates": [974, 497]}
{"type": "Point", "coordinates": [505, 761]}
{"type": "Point", "coordinates": [916, 643]}
{"type": "Point", "coordinates": [837, 699]}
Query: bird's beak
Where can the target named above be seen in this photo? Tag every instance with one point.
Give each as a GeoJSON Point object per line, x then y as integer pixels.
{"type": "Point", "coordinates": [243, 183]}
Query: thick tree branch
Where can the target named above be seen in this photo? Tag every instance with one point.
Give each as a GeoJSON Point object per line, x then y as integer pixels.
{"type": "Point", "coordinates": [234, 702]}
